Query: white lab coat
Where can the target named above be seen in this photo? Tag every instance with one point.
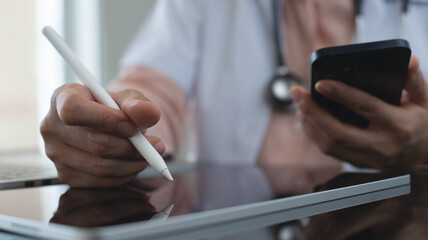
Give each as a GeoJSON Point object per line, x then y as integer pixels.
{"type": "Point", "coordinates": [221, 53]}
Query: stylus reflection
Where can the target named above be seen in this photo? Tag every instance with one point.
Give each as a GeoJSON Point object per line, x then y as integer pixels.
{"type": "Point", "coordinates": [163, 214]}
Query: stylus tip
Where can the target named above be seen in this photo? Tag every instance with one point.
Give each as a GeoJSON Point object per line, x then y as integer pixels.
{"type": "Point", "coordinates": [167, 174]}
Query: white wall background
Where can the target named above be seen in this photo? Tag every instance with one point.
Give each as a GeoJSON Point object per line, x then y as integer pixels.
{"type": "Point", "coordinates": [119, 22]}
{"type": "Point", "coordinates": [100, 30]}
{"type": "Point", "coordinates": [30, 69]}
{"type": "Point", "coordinates": [18, 100]}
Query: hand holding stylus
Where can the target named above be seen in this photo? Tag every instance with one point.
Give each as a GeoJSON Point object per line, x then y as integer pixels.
{"type": "Point", "coordinates": [88, 141]}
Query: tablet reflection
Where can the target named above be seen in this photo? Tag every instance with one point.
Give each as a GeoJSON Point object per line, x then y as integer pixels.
{"type": "Point", "coordinates": [404, 217]}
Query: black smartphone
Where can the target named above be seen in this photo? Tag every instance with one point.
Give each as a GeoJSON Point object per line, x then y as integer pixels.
{"type": "Point", "coordinates": [379, 68]}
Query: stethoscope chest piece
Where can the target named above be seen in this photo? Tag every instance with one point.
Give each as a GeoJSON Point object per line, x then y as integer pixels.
{"type": "Point", "coordinates": [279, 91]}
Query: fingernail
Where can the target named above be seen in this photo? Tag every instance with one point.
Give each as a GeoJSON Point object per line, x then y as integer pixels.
{"type": "Point", "coordinates": [126, 129]}
{"type": "Point", "coordinates": [323, 88]}
{"type": "Point", "coordinates": [297, 96]}
{"type": "Point", "coordinates": [159, 147]}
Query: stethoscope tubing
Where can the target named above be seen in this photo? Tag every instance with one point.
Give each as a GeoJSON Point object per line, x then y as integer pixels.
{"type": "Point", "coordinates": [283, 78]}
{"type": "Point", "coordinates": [276, 7]}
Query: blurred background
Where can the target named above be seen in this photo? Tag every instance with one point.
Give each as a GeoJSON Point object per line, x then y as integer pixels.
{"type": "Point", "coordinates": [30, 69]}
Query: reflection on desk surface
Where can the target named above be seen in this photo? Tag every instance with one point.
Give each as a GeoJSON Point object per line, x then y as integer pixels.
{"type": "Point", "coordinates": [404, 217]}
{"type": "Point", "coordinates": [214, 187]}
{"type": "Point", "coordinates": [210, 187]}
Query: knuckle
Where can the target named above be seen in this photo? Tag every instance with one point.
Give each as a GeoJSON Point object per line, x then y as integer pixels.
{"type": "Point", "coordinates": [104, 168]}
{"type": "Point", "coordinates": [332, 135]}
{"type": "Point", "coordinates": [404, 131]}
{"type": "Point", "coordinates": [51, 152]}
{"type": "Point", "coordinates": [366, 107]}
{"type": "Point", "coordinates": [45, 127]}
{"type": "Point", "coordinates": [101, 145]}
{"type": "Point", "coordinates": [62, 177]}
{"type": "Point", "coordinates": [105, 120]}
{"type": "Point", "coordinates": [334, 139]}
{"type": "Point", "coordinates": [326, 146]}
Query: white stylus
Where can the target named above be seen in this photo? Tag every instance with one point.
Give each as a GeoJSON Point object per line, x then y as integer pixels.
{"type": "Point", "coordinates": [101, 95]}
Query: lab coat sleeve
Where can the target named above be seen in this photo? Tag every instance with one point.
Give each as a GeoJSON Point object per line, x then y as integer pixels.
{"type": "Point", "coordinates": [168, 42]}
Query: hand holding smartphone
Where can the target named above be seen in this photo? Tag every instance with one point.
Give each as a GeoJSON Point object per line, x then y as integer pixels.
{"type": "Point", "coordinates": [378, 68]}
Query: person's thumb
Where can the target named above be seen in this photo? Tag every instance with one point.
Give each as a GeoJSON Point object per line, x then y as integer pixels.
{"type": "Point", "coordinates": [137, 107]}
{"type": "Point", "coordinates": [415, 84]}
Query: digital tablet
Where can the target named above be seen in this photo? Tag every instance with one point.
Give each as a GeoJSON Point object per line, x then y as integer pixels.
{"type": "Point", "coordinates": [203, 201]}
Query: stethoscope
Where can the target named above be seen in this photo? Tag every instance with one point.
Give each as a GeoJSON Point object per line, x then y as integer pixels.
{"type": "Point", "coordinates": [278, 90]}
